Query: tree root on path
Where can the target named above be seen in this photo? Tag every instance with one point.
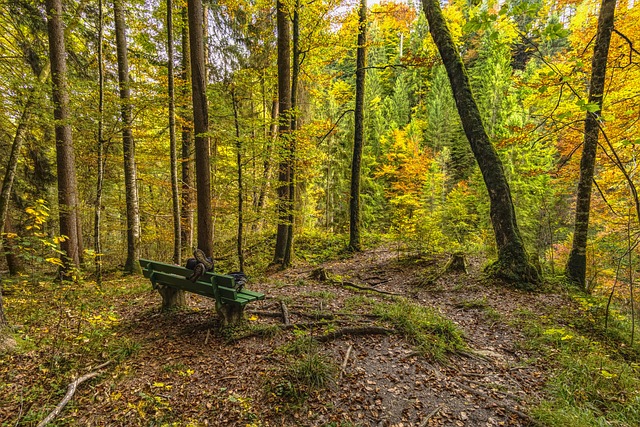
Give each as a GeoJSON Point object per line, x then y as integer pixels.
{"type": "Point", "coordinates": [502, 404]}
{"type": "Point", "coordinates": [323, 275]}
{"type": "Point", "coordinates": [363, 330]}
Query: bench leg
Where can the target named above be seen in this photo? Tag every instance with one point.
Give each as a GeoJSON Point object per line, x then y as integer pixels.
{"type": "Point", "coordinates": [172, 298]}
{"type": "Point", "coordinates": [230, 314]}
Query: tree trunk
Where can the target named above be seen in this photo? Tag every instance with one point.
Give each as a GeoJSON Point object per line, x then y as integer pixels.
{"type": "Point", "coordinates": [358, 139]}
{"type": "Point", "coordinates": [14, 263]}
{"type": "Point", "coordinates": [513, 263]}
{"type": "Point", "coordinates": [240, 183]}
{"type": "Point", "coordinates": [201, 125]}
{"type": "Point", "coordinates": [284, 107]}
{"type": "Point", "coordinates": [177, 235]}
{"type": "Point", "coordinates": [7, 343]}
{"type": "Point", "coordinates": [291, 155]}
{"type": "Point", "coordinates": [187, 141]}
{"type": "Point", "coordinates": [97, 241]}
{"type": "Point", "coordinates": [132, 264]}
{"type": "Point", "coordinates": [65, 157]}
{"type": "Point", "coordinates": [576, 269]}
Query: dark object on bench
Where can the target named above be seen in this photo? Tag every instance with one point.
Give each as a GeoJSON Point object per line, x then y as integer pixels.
{"type": "Point", "coordinates": [230, 301]}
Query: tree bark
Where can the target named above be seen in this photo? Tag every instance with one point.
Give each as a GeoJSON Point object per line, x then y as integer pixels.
{"type": "Point", "coordinates": [284, 108]}
{"type": "Point", "coordinates": [230, 314]}
{"type": "Point", "coordinates": [358, 139]}
{"type": "Point", "coordinates": [291, 152]}
{"type": "Point", "coordinates": [187, 141]}
{"type": "Point", "coordinates": [172, 298]}
{"type": "Point", "coordinates": [132, 264]}
{"type": "Point", "coordinates": [14, 263]}
{"type": "Point", "coordinates": [65, 157]}
{"type": "Point", "coordinates": [513, 263]}
{"type": "Point", "coordinates": [201, 125]}
{"type": "Point", "coordinates": [576, 268]}
{"type": "Point", "coordinates": [240, 183]}
{"type": "Point", "coordinates": [175, 193]}
{"type": "Point", "coordinates": [97, 241]}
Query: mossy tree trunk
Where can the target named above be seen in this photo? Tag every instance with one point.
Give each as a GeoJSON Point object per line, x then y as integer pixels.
{"type": "Point", "coordinates": [358, 134]}
{"type": "Point", "coordinates": [576, 268]}
{"type": "Point", "coordinates": [284, 128]}
{"type": "Point", "coordinates": [513, 263]}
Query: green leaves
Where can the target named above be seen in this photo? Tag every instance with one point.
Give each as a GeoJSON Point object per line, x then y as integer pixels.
{"type": "Point", "coordinates": [589, 107]}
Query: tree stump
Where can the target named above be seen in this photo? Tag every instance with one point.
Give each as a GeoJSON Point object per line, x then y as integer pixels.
{"type": "Point", "coordinates": [230, 314]}
{"type": "Point", "coordinates": [456, 264]}
{"type": "Point", "coordinates": [172, 298]}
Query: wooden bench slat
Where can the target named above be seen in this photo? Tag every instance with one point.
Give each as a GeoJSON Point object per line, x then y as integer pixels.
{"type": "Point", "coordinates": [200, 288]}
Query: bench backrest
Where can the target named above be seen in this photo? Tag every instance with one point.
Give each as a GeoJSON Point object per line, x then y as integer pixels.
{"type": "Point", "coordinates": [213, 285]}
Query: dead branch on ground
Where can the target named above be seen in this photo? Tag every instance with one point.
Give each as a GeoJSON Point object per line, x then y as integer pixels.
{"type": "Point", "coordinates": [71, 390]}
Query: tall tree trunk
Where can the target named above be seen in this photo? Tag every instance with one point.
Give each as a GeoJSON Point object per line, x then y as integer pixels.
{"type": "Point", "coordinates": [576, 268]}
{"type": "Point", "coordinates": [291, 155]}
{"type": "Point", "coordinates": [201, 125]}
{"type": "Point", "coordinates": [65, 157]}
{"type": "Point", "coordinates": [187, 140]}
{"type": "Point", "coordinates": [177, 245]}
{"type": "Point", "coordinates": [132, 264]}
{"type": "Point", "coordinates": [284, 107]}
{"type": "Point", "coordinates": [358, 135]}
{"type": "Point", "coordinates": [240, 183]}
{"type": "Point", "coordinates": [513, 263]}
{"type": "Point", "coordinates": [97, 224]}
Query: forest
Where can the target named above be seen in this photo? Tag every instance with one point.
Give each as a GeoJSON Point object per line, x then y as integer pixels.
{"type": "Point", "coordinates": [434, 191]}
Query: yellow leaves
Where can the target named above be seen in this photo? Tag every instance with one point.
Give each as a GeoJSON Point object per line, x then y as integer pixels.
{"type": "Point", "coordinates": [162, 385]}
{"type": "Point", "coordinates": [186, 373]}
{"type": "Point", "coordinates": [55, 261]}
{"type": "Point", "coordinates": [606, 374]}
{"type": "Point", "coordinates": [253, 318]}
{"type": "Point", "coordinates": [60, 239]}
{"type": "Point", "coordinates": [341, 91]}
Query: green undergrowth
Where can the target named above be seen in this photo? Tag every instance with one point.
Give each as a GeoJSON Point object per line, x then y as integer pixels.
{"type": "Point", "coordinates": [595, 375]}
{"type": "Point", "coordinates": [433, 335]}
{"type": "Point", "coordinates": [305, 370]}
{"type": "Point", "coordinates": [61, 329]}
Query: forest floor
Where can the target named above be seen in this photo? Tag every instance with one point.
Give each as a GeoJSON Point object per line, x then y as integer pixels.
{"type": "Point", "coordinates": [346, 359]}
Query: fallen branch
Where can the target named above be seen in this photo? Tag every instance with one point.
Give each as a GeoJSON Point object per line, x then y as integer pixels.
{"type": "Point", "coordinates": [346, 360]}
{"type": "Point", "coordinates": [71, 390]}
{"type": "Point", "coordinates": [430, 415]}
{"type": "Point", "coordinates": [285, 313]}
{"type": "Point", "coordinates": [367, 330]}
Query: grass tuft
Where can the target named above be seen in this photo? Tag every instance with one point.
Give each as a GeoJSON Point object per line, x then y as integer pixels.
{"type": "Point", "coordinates": [433, 335]}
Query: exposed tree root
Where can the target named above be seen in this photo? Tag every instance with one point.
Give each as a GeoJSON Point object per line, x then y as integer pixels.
{"type": "Point", "coordinates": [359, 331]}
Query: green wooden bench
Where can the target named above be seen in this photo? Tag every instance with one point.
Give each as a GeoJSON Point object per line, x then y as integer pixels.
{"type": "Point", "coordinates": [230, 303]}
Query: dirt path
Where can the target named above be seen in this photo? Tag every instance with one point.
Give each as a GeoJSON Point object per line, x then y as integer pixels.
{"type": "Point", "coordinates": [185, 372]}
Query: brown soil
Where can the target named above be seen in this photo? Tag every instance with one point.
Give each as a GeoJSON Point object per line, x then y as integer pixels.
{"type": "Point", "coordinates": [186, 372]}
